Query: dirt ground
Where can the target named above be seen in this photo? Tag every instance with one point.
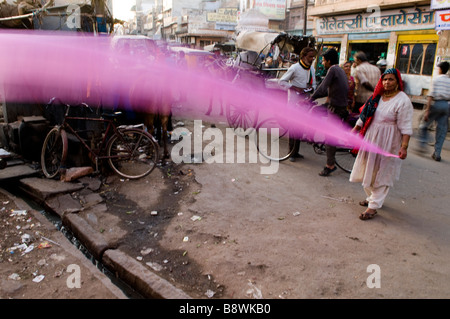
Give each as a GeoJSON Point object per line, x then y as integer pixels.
{"type": "Point", "coordinates": [46, 265]}
{"type": "Point", "coordinates": [228, 231]}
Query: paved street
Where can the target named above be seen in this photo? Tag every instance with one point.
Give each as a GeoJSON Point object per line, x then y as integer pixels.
{"type": "Point", "coordinates": [293, 234]}
{"type": "Point", "coordinates": [270, 250]}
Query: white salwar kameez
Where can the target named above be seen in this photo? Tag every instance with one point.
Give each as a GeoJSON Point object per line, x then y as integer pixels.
{"type": "Point", "coordinates": [377, 172]}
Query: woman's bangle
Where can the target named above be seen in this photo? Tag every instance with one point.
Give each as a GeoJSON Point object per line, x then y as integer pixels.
{"type": "Point", "coordinates": [405, 146]}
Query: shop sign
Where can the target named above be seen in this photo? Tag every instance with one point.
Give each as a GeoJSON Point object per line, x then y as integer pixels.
{"type": "Point", "coordinates": [273, 9]}
{"type": "Point", "coordinates": [391, 20]}
{"type": "Point", "coordinates": [443, 20]}
{"type": "Point", "coordinates": [224, 16]}
{"type": "Point", "coordinates": [225, 26]}
{"type": "Point", "coordinates": [440, 4]}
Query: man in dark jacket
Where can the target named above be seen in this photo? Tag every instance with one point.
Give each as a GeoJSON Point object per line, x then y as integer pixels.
{"type": "Point", "coordinates": [335, 86]}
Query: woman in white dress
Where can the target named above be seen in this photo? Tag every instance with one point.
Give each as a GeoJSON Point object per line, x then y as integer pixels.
{"type": "Point", "coordinates": [386, 121]}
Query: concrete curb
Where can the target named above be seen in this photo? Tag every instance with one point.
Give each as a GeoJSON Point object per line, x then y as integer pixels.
{"type": "Point", "coordinates": [90, 238]}
{"type": "Point", "coordinates": [126, 268]}
{"type": "Point", "coordinates": [140, 278]}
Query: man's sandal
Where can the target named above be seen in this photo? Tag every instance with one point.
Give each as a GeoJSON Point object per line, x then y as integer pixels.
{"type": "Point", "coordinates": [327, 171]}
{"type": "Point", "coordinates": [366, 215]}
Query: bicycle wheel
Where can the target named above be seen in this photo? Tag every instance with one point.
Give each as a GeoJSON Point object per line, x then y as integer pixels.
{"type": "Point", "coordinates": [132, 153]}
{"type": "Point", "coordinates": [54, 152]}
{"type": "Point", "coordinates": [272, 141]}
{"type": "Point", "coordinates": [345, 159]}
{"type": "Point", "coordinates": [242, 121]}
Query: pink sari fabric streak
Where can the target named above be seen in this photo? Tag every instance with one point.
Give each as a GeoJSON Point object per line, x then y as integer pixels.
{"type": "Point", "coordinates": [75, 68]}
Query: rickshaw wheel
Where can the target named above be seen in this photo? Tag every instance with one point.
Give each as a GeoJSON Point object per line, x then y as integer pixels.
{"type": "Point", "coordinates": [243, 122]}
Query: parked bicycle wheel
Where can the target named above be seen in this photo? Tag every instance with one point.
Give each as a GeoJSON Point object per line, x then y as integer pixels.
{"type": "Point", "coordinates": [345, 159]}
{"type": "Point", "coordinates": [272, 141]}
{"type": "Point", "coordinates": [133, 153]}
{"type": "Point", "coordinates": [54, 152]}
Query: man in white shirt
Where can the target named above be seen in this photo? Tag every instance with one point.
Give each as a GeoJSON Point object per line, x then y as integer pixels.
{"type": "Point", "coordinates": [298, 77]}
{"type": "Point", "coordinates": [437, 109]}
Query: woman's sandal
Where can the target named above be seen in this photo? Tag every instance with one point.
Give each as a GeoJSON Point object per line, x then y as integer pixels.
{"type": "Point", "coordinates": [364, 203]}
{"type": "Point", "coordinates": [366, 215]}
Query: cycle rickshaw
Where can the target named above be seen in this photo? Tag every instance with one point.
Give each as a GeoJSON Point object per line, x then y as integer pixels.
{"type": "Point", "coordinates": [262, 58]}
{"type": "Point", "coordinates": [252, 70]}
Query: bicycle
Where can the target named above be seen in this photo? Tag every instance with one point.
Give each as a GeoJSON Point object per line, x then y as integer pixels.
{"type": "Point", "coordinates": [276, 147]}
{"type": "Point", "coordinates": [131, 152]}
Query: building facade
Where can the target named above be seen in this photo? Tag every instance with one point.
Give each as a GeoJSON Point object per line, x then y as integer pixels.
{"type": "Point", "coordinates": [401, 32]}
{"type": "Point", "coordinates": [296, 15]}
{"type": "Point", "coordinates": [198, 23]}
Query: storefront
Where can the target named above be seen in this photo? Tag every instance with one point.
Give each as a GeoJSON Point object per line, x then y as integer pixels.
{"type": "Point", "coordinates": [404, 37]}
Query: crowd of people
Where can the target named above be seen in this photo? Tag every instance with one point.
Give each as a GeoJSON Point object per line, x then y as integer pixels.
{"type": "Point", "coordinates": [385, 116]}
{"type": "Point", "coordinates": [376, 96]}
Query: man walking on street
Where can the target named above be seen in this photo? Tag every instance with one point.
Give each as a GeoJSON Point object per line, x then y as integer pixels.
{"type": "Point", "coordinates": [437, 109]}
{"type": "Point", "coordinates": [335, 86]}
{"type": "Point", "coordinates": [366, 78]}
{"type": "Point", "coordinates": [299, 76]}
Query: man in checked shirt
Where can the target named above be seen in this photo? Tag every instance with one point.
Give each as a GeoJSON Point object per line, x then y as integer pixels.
{"type": "Point", "coordinates": [366, 78]}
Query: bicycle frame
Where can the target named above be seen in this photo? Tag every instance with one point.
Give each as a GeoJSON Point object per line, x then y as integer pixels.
{"type": "Point", "coordinates": [110, 130]}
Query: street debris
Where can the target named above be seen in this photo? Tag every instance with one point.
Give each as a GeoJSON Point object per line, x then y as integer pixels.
{"type": "Point", "coordinates": [38, 278]}
{"type": "Point", "coordinates": [18, 213]}
{"type": "Point", "coordinates": [254, 291]}
{"type": "Point", "coordinates": [154, 266]}
{"type": "Point", "coordinates": [146, 251]}
{"type": "Point", "coordinates": [342, 199]}
{"type": "Point", "coordinates": [49, 240]}
{"type": "Point", "coordinates": [209, 293]}
{"type": "Point", "coordinates": [26, 238]}
{"type": "Point", "coordinates": [28, 249]}
{"type": "Point", "coordinates": [14, 276]}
